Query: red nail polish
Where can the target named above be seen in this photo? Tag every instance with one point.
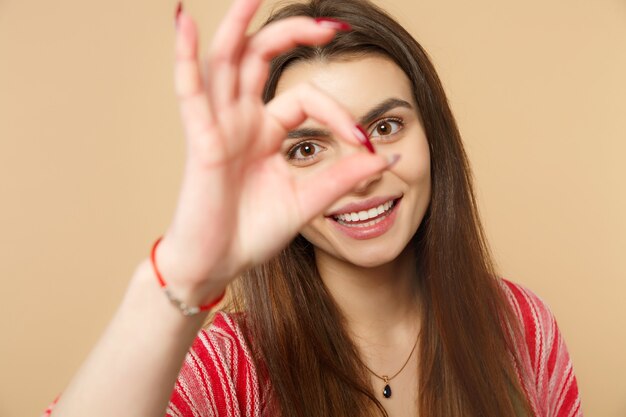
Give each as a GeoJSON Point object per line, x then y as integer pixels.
{"type": "Point", "coordinates": [362, 136]}
{"type": "Point", "coordinates": [179, 9]}
{"type": "Point", "coordinates": [332, 23]}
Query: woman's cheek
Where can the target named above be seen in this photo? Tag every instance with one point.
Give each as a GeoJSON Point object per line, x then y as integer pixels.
{"type": "Point", "coordinates": [414, 163]}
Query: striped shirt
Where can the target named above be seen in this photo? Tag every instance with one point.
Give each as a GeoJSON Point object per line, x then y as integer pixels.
{"type": "Point", "coordinates": [219, 377]}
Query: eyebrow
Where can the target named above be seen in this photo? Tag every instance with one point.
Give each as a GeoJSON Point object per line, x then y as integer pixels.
{"type": "Point", "coordinates": [374, 113]}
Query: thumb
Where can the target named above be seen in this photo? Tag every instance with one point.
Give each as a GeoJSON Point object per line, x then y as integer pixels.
{"type": "Point", "coordinates": [338, 180]}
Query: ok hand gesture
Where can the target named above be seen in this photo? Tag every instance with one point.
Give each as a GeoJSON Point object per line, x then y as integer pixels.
{"type": "Point", "coordinates": [239, 204]}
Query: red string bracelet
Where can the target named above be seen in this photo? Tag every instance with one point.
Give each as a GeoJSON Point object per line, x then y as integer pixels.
{"type": "Point", "coordinates": [177, 302]}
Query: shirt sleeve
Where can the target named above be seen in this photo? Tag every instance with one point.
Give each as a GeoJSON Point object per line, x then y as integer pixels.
{"type": "Point", "coordinates": [550, 380]}
{"type": "Point", "coordinates": [218, 377]}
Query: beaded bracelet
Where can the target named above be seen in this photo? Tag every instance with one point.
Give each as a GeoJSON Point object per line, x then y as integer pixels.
{"type": "Point", "coordinates": [177, 302]}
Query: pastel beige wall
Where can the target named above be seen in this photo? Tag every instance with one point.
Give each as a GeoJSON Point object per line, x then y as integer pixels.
{"type": "Point", "coordinates": [90, 156]}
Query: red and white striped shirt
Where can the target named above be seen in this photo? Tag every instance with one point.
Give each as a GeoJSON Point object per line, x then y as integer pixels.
{"type": "Point", "coordinates": [219, 378]}
{"type": "Point", "coordinates": [550, 384]}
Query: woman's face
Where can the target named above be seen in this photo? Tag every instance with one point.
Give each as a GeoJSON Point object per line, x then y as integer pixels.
{"type": "Point", "coordinates": [371, 225]}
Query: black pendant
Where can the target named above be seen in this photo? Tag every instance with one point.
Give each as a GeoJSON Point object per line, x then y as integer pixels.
{"type": "Point", "coordinates": [387, 391]}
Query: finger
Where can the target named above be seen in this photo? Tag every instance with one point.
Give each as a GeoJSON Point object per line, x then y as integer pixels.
{"type": "Point", "coordinates": [289, 109]}
{"type": "Point", "coordinates": [225, 52]}
{"type": "Point", "coordinates": [337, 180]}
{"type": "Point", "coordinates": [194, 108]}
{"type": "Point", "coordinates": [273, 39]}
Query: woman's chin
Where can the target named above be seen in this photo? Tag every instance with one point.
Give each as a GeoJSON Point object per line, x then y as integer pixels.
{"type": "Point", "coordinates": [373, 257]}
{"type": "Point", "coordinates": [359, 253]}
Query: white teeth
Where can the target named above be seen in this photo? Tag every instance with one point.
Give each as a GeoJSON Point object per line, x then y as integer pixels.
{"type": "Point", "coordinates": [372, 213]}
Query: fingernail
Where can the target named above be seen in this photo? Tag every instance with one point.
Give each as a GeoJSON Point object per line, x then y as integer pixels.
{"type": "Point", "coordinates": [332, 23]}
{"type": "Point", "coordinates": [392, 159]}
{"type": "Point", "coordinates": [361, 135]}
{"type": "Point", "coordinates": [179, 10]}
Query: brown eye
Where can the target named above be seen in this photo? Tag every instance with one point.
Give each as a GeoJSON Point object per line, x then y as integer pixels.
{"type": "Point", "coordinates": [384, 128]}
{"type": "Point", "coordinates": [304, 152]}
{"type": "Point", "coordinates": [387, 127]}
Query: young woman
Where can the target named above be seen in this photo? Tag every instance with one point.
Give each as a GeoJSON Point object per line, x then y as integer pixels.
{"type": "Point", "coordinates": [324, 170]}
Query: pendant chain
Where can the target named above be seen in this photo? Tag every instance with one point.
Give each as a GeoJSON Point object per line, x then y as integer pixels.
{"type": "Point", "coordinates": [386, 378]}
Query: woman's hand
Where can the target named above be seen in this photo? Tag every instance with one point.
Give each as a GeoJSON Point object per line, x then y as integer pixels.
{"type": "Point", "coordinates": [239, 204]}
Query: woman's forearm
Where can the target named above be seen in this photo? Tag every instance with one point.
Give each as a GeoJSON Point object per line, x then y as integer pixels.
{"type": "Point", "coordinates": [133, 368]}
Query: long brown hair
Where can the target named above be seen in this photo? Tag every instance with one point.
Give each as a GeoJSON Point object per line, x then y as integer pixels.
{"type": "Point", "coordinates": [467, 342]}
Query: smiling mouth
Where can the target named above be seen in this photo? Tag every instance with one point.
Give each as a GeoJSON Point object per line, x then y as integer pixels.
{"type": "Point", "coordinates": [366, 218]}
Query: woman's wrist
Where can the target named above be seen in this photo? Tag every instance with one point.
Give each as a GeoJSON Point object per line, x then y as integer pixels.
{"type": "Point", "coordinates": [146, 288]}
{"type": "Point", "coordinates": [187, 269]}
{"type": "Point", "coordinates": [183, 306]}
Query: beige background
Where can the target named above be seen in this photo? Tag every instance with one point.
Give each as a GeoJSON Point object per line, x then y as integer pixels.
{"type": "Point", "coordinates": [90, 159]}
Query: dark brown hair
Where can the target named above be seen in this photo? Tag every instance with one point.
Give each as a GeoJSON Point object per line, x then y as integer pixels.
{"type": "Point", "coordinates": [467, 342]}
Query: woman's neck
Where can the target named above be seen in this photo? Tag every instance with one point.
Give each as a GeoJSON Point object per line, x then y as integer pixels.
{"type": "Point", "coordinates": [380, 304]}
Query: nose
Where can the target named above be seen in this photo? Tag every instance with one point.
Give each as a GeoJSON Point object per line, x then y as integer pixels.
{"type": "Point", "coordinates": [363, 186]}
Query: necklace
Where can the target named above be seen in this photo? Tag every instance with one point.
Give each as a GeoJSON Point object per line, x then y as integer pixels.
{"type": "Point", "coordinates": [386, 379]}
